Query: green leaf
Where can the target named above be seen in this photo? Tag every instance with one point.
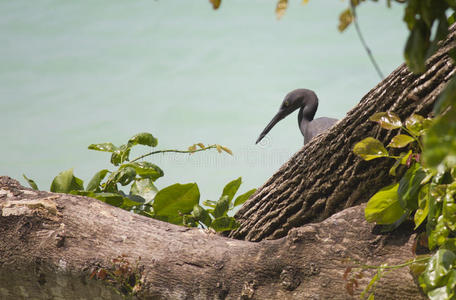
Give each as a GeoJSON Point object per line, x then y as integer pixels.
{"type": "Point", "coordinates": [370, 148]}
{"type": "Point", "coordinates": [222, 206]}
{"type": "Point", "coordinates": [120, 155]}
{"type": "Point", "coordinates": [224, 223]}
{"type": "Point", "coordinates": [423, 206]}
{"type": "Point", "coordinates": [110, 198]}
{"type": "Point", "coordinates": [175, 200]}
{"type": "Point", "coordinates": [242, 198]}
{"type": "Point", "coordinates": [384, 207]}
{"type": "Point", "coordinates": [231, 188]}
{"type": "Point", "coordinates": [145, 169]}
{"type": "Point", "coordinates": [400, 140]}
{"type": "Point", "coordinates": [94, 183]}
{"type": "Point", "coordinates": [409, 186]}
{"type": "Point", "coordinates": [144, 188]}
{"type": "Point", "coordinates": [415, 124]}
{"type": "Point", "coordinates": [387, 120]}
{"type": "Point", "coordinates": [417, 46]}
{"type": "Point", "coordinates": [440, 141]}
{"type": "Point", "coordinates": [123, 176]}
{"type": "Point", "coordinates": [440, 264]}
{"type": "Point", "coordinates": [106, 147]}
{"type": "Point", "coordinates": [30, 182]}
{"type": "Point", "coordinates": [143, 138]}
{"type": "Point", "coordinates": [402, 160]}
{"type": "Point", "coordinates": [210, 203]}
{"type": "Point", "coordinates": [447, 97]}
{"type": "Point", "coordinates": [200, 214]}
{"type": "Point", "coordinates": [66, 182]}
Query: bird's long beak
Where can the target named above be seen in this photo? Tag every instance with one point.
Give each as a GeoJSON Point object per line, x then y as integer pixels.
{"type": "Point", "coordinates": [279, 116]}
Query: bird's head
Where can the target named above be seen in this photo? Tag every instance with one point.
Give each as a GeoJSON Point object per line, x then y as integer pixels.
{"type": "Point", "coordinates": [293, 100]}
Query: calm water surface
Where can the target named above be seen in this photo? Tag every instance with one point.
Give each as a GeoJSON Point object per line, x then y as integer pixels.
{"type": "Point", "coordinates": [80, 72]}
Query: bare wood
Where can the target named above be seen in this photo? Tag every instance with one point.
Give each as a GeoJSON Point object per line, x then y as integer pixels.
{"type": "Point", "coordinates": [325, 177]}
{"type": "Point", "coordinates": [50, 243]}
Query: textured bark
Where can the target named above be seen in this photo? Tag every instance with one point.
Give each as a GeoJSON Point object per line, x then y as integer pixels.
{"type": "Point", "coordinates": [325, 177]}
{"type": "Point", "coordinates": [51, 243]}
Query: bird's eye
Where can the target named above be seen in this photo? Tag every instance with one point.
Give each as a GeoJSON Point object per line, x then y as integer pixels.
{"type": "Point", "coordinates": [285, 103]}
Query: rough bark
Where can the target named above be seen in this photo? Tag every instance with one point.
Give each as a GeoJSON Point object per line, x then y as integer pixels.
{"type": "Point", "coordinates": [325, 177]}
{"type": "Point", "coordinates": [51, 243]}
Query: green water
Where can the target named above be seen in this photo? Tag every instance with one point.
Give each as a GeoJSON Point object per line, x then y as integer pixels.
{"type": "Point", "coordinates": [74, 73]}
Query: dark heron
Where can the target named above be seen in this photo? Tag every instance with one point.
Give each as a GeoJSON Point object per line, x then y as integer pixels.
{"type": "Point", "coordinates": [307, 101]}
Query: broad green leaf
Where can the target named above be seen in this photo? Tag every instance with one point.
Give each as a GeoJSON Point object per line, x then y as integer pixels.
{"type": "Point", "coordinates": [94, 183]}
{"type": "Point", "coordinates": [145, 169]}
{"type": "Point", "coordinates": [31, 182]}
{"type": "Point", "coordinates": [440, 264]}
{"type": "Point", "coordinates": [113, 199]}
{"type": "Point", "coordinates": [446, 98]}
{"type": "Point", "coordinates": [387, 120]}
{"type": "Point", "coordinates": [224, 223]}
{"type": "Point", "coordinates": [440, 141]}
{"type": "Point", "coordinates": [123, 176]}
{"type": "Point", "coordinates": [143, 138]}
{"type": "Point", "coordinates": [200, 214]}
{"type": "Point", "coordinates": [106, 147]}
{"type": "Point", "coordinates": [222, 206]}
{"type": "Point", "coordinates": [370, 148]}
{"type": "Point", "coordinates": [120, 155]}
{"type": "Point", "coordinates": [231, 188]}
{"type": "Point", "coordinates": [409, 186]}
{"type": "Point", "coordinates": [66, 182]}
{"type": "Point", "coordinates": [416, 47]}
{"type": "Point", "coordinates": [415, 124]}
{"type": "Point", "coordinates": [242, 198]}
{"type": "Point", "coordinates": [423, 206]}
{"type": "Point", "coordinates": [130, 203]}
{"type": "Point", "coordinates": [144, 188]}
{"type": "Point", "coordinates": [175, 200]}
{"type": "Point", "coordinates": [384, 207]}
{"type": "Point", "coordinates": [400, 140]}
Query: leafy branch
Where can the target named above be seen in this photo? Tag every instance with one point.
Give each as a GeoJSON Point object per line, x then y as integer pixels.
{"type": "Point", "coordinates": [178, 204]}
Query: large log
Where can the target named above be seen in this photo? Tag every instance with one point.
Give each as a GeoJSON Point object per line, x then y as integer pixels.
{"type": "Point", "coordinates": [325, 177]}
{"type": "Point", "coordinates": [50, 244]}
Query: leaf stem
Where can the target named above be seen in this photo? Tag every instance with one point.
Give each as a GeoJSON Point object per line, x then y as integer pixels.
{"type": "Point", "coordinates": [173, 151]}
{"type": "Point", "coordinates": [417, 139]}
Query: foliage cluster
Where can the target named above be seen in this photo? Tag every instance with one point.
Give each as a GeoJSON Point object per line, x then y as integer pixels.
{"type": "Point", "coordinates": [426, 190]}
{"type": "Point", "coordinates": [178, 204]}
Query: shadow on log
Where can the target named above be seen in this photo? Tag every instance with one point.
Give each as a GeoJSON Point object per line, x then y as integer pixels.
{"type": "Point", "coordinates": [50, 244]}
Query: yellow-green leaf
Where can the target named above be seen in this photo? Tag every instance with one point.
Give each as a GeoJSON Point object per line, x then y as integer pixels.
{"type": "Point", "coordinates": [281, 8]}
{"type": "Point", "coordinates": [370, 148]}
{"type": "Point", "coordinates": [384, 207]}
{"type": "Point", "coordinates": [387, 120]}
{"type": "Point", "coordinates": [201, 145]}
{"type": "Point", "coordinates": [415, 124]}
{"type": "Point", "coordinates": [192, 148]}
{"type": "Point", "coordinates": [400, 140]}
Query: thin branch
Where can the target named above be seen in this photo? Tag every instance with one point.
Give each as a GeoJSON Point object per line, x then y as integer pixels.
{"type": "Point", "coordinates": [174, 151]}
{"type": "Point", "coordinates": [361, 38]}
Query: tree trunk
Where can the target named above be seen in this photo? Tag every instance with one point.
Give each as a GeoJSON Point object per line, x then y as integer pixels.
{"type": "Point", "coordinates": [325, 177]}
{"type": "Point", "coordinates": [51, 244]}
{"type": "Point", "coordinates": [58, 246]}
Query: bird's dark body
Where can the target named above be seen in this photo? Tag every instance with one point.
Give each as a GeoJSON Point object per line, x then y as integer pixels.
{"type": "Point", "coordinates": [307, 102]}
